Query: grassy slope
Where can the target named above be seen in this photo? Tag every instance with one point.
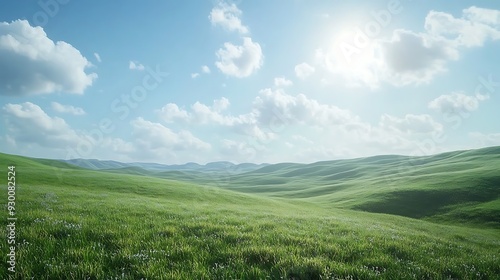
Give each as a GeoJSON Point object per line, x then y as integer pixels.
{"type": "Point", "coordinates": [461, 186]}
{"type": "Point", "coordinates": [80, 224]}
{"type": "Point", "coordinates": [454, 187]}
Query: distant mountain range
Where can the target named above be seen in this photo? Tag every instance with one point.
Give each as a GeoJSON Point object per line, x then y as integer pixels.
{"type": "Point", "coordinates": [219, 166]}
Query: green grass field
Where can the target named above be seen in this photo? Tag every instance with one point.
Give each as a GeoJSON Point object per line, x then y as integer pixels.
{"type": "Point", "coordinates": [320, 221]}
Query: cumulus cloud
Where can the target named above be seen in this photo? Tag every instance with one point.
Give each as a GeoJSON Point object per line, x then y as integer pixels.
{"type": "Point", "coordinates": [408, 57]}
{"type": "Point", "coordinates": [67, 109]}
{"type": "Point", "coordinates": [227, 16]}
{"type": "Point", "coordinates": [221, 104]}
{"type": "Point", "coordinates": [31, 63]}
{"type": "Point", "coordinates": [282, 82]}
{"type": "Point", "coordinates": [202, 114]}
{"type": "Point", "coordinates": [157, 139]}
{"type": "Point", "coordinates": [273, 106]}
{"type": "Point", "coordinates": [28, 123]}
{"type": "Point", "coordinates": [334, 131]}
{"type": "Point", "coordinates": [412, 58]}
{"type": "Point", "coordinates": [171, 112]}
{"type": "Point", "coordinates": [486, 16]}
{"type": "Point", "coordinates": [417, 58]}
{"type": "Point", "coordinates": [405, 58]}
{"type": "Point", "coordinates": [456, 102]}
{"type": "Point", "coordinates": [134, 65]}
{"type": "Point", "coordinates": [473, 29]}
{"type": "Point", "coordinates": [272, 109]}
{"type": "Point", "coordinates": [195, 75]}
{"type": "Point", "coordinates": [28, 126]}
{"type": "Point", "coordinates": [240, 61]}
{"type": "Point", "coordinates": [304, 70]}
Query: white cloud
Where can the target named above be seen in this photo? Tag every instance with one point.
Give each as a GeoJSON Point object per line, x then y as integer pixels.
{"type": "Point", "coordinates": [97, 57]}
{"type": "Point", "coordinates": [274, 119]}
{"type": "Point", "coordinates": [456, 102]}
{"type": "Point", "coordinates": [209, 114]}
{"type": "Point", "coordinates": [408, 57]}
{"type": "Point", "coordinates": [171, 112]}
{"type": "Point", "coordinates": [154, 138]}
{"type": "Point", "coordinates": [282, 82]}
{"type": "Point", "coordinates": [277, 107]}
{"type": "Point", "coordinates": [473, 29]}
{"type": "Point", "coordinates": [60, 108]}
{"type": "Point", "coordinates": [332, 131]}
{"type": "Point", "coordinates": [201, 114]}
{"type": "Point", "coordinates": [205, 69]}
{"type": "Point", "coordinates": [240, 61]}
{"type": "Point", "coordinates": [410, 124]}
{"type": "Point", "coordinates": [32, 63]}
{"type": "Point", "coordinates": [227, 16]}
{"type": "Point", "coordinates": [412, 58]}
{"type": "Point", "coordinates": [272, 108]}
{"type": "Point", "coordinates": [29, 126]}
{"type": "Point", "coordinates": [28, 123]}
{"type": "Point", "coordinates": [134, 65]}
{"type": "Point", "coordinates": [304, 70]}
{"type": "Point", "coordinates": [486, 16]}
{"type": "Point", "coordinates": [221, 104]}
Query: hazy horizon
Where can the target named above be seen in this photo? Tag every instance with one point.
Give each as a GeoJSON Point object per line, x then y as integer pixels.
{"type": "Point", "coordinates": [256, 163]}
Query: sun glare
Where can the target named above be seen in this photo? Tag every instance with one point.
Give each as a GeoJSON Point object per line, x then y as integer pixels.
{"type": "Point", "coordinates": [351, 53]}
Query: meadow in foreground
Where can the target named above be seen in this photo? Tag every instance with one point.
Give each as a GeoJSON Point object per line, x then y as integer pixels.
{"type": "Point", "coordinates": [80, 224]}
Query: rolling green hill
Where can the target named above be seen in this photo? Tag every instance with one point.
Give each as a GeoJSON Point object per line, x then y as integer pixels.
{"type": "Point", "coordinates": [461, 186]}
{"type": "Point", "coordinates": [75, 223]}
{"type": "Point", "coordinates": [456, 187]}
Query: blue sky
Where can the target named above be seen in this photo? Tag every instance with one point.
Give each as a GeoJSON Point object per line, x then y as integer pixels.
{"type": "Point", "coordinates": [247, 81]}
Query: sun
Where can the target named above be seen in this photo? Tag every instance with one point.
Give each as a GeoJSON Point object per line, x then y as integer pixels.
{"type": "Point", "coordinates": [351, 53]}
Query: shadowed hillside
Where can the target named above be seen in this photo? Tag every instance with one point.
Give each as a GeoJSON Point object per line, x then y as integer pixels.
{"type": "Point", "coordinates": [457, 186]}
